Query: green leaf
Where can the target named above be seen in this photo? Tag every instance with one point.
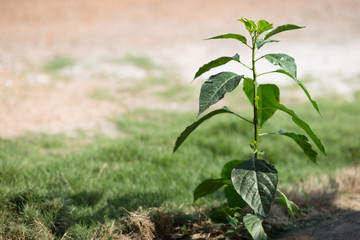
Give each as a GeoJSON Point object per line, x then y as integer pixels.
{"type": "Point", "coordinates": [254, 226]}
{"type": "Point", "coordinates": [268, 93]}
{"type": "Point", "coordinates": [295, 208]}
{"type": "Point", "coordinates": [238, 37]}
{"type": "Point", "coordinates": [302, 124]}
{"type": "Point", "coordinates": [183, 136]}
{"type": "Point", "coordinates": [209, 186]}
{"type": "Point", "coordinates": [272, 102]}
{"type": "Point", "coordinates": [216, 63]}
{"type": "Point", "coordinates": [249, 89]}
{"type": "Point", "coordinates": [228, 167]}
{"type": "Point", "coordinates": [256, 180]}
{"type": "Point", "coordinates": [233, 198]}
{"type": "Point", "coordinates": [302, 87]}
{"type": "Point", "coordinates": [303, 142]}
{"type": "Point", "coordinates": [217, 215]}
{"type": "Point", "coordinates": [280, 29]}
{"type": "Point", "coordinates": [288, 66]}
{"type": "Point", "coordinates": [263, 26]}
{"type": "Point", "coordinates": [249, 24]}
{"type": "Point", "coordinates": [214, 89]}
{"type": "Point", "coordinates": [233, 221]}
{"type": "Point", "coordinates": [285, 202]}
{"type": "Point", "coordinates": [261, 42]}
{"type": "Point", "coordinates": [286, 62]}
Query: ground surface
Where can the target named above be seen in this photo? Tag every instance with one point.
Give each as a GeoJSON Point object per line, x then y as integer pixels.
{"type": "Point", "coordinates": [169, 32]}
{"type": "Point", "coordinates": [87, 93]}
{"type": "Point", "coordinates": [345, 228]}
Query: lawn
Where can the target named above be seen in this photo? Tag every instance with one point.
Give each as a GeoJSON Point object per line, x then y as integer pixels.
{"type": "Point", "coordinates": [56, 186]}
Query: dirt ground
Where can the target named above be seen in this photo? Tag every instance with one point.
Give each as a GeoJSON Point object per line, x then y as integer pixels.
{"type": "Point", "coordinates": [169, 32]}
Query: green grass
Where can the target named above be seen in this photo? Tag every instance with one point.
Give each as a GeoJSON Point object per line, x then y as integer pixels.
{"type": "Point", "coordinates": [72, 185]}
{"type": "Point", "coordinates": [102, 94]}
{"type": "Point", "coordinates": [139, 61]}
{"type": "Point", "coordinates": [58, 62]}
{"type": "Point", "coordinates": [178, 91]}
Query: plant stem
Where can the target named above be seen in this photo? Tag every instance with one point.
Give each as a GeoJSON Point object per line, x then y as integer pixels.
{"type": "Point", "coordinates": [255, 100]}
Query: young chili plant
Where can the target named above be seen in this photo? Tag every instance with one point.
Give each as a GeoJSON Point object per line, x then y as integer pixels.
{"type": "Point", "coordinates": [252, 182]}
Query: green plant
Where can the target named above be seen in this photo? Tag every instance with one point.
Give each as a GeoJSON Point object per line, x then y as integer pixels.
{"type": "Point", "coordinates": [252, 182]}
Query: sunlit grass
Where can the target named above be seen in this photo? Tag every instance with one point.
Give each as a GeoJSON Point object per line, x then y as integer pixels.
{"type": "Point", "coordinates": [73, 184]}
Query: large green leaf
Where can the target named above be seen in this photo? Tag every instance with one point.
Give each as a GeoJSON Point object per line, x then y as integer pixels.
{"type": "Point", "coordinates": [302, 87]}
{"type": "Point", "coordinates": [267, 94]}
{"type": "Point", "coordinates": [254, 226]}
{"type": "Point", "coordinates": [194, 125]}
{"type": "Point", "coordinates": [233, 198]}
{"type": "Point", "coordinates": [216, 63]}
{"type": "Point", "coordinates": [256, 180]}
{"type": "Point", "coordinates": [209, 186]}
{"type": "Point", "coordinates": [303, 142]}
{"type": "Point", "coordinates": [263, 26]}
{"type": "Point", "coordinates": [238, 37]}
{"type": "Point", "coordinates": [280, 29]}
{"type": "Point", "coordinates": [302, 124]}
{"type": "Point", "coordinates": [214, 89]}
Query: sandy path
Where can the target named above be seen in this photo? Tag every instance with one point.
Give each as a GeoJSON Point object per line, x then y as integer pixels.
{"type": "Point", "coordinates": [170, 32]}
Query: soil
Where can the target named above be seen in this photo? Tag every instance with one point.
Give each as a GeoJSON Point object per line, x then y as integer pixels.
{"type": "Point", "coordinates": [168, 32]}
{"type": "Point", "coordinates": [345, 228]}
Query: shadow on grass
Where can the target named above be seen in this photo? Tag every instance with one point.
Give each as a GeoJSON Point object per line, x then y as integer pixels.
{"type": "Point", "coordinates": [115, 208]}
{"type": "Point", "coordinates": [57, 212]}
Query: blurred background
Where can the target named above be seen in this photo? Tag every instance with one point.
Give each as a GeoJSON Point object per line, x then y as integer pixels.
{"type": "Point", "coordinates": [67, 65]}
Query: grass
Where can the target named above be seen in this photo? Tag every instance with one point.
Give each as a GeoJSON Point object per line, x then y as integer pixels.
{"type": "Point", "coordinates": [139, 61]}
{"type": "Point", "coordinates": [58, 62]}
{"type": "Point", "coordinates": [53, 185]}
{"type": "Point", "coordinates": [102, 94]}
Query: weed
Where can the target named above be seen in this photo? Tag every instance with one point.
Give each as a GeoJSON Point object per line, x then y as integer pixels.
{"type": "Point", "coordinates": [252, 183]}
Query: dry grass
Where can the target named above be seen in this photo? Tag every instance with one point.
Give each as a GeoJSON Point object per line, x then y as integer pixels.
{"type": "Point", "coordinates": [316, 195]}
{"type": "Point", "coordinates": [112, 230]}
{"type": "Point", "coordinates": [324, 196]}
{"type": "Point", "coordinates": [348, 182]}
{"type": "Point", "coordinates": [140, 226]}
